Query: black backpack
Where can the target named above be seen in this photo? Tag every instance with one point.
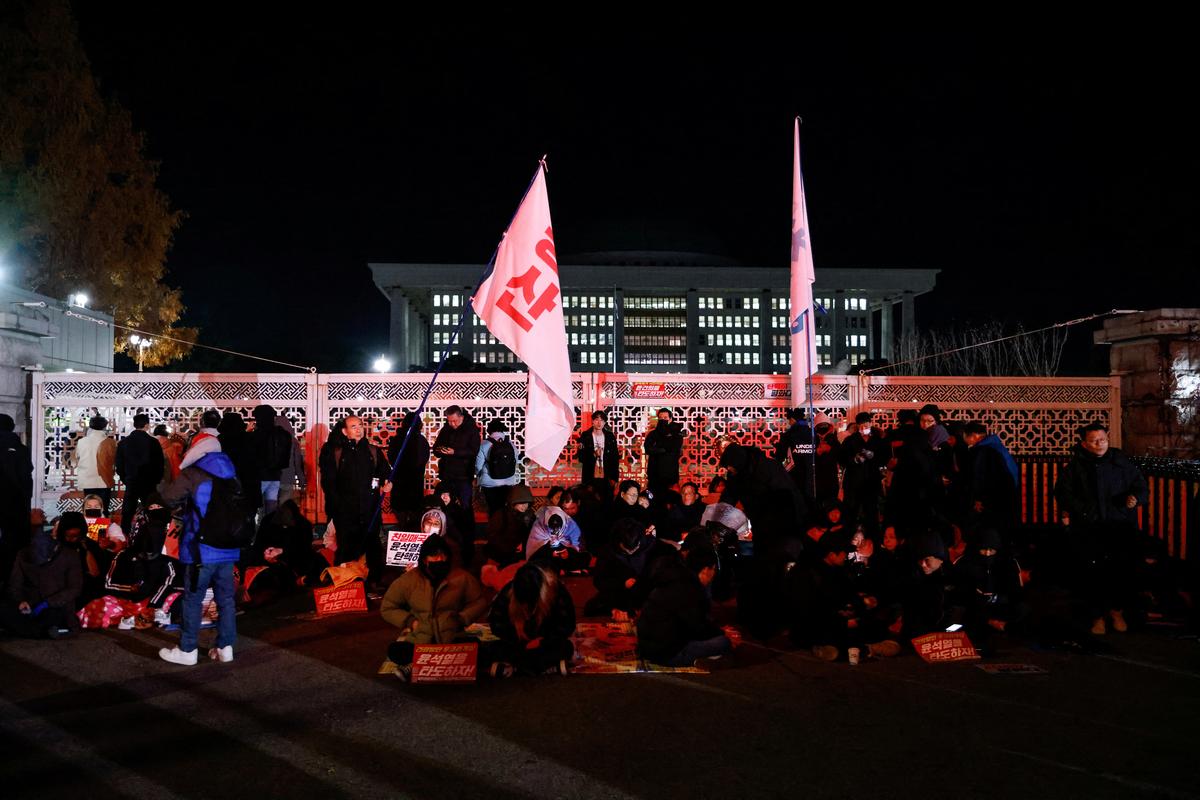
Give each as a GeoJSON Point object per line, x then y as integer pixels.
{"type": "Point", "coordinates": [502, 459]}
{"type": "Point", "coordinates": [226, 523]}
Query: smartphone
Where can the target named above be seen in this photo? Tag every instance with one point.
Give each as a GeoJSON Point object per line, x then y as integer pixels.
{"type": "Point", "coordinates": [953, 628]}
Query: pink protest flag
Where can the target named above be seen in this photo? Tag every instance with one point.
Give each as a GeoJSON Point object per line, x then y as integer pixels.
{"type": "Point", "coordinates": [803, 326]}
{"type": "Point", "coordinates": [521, 304]}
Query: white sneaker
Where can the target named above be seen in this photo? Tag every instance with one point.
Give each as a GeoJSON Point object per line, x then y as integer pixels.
{"type": "Point", "coordinates": [126, 624]}
{"type": "Point", "coordinates": [222, 654]}
{"type": "Point", "coordinates": [177, 656]}
{"type": "Point", "coordinates": [161, 618]}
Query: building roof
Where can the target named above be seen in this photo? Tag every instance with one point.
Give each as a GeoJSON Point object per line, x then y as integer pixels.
{"type": "Point", "coordinates": [661, 272]}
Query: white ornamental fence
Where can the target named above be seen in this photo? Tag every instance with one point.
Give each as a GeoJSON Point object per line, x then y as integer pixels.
{"type": "Point", "coordinates": [1034, 416]}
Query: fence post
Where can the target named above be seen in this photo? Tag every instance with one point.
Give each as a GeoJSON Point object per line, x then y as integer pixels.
{"type": "Point", "coordinates": [37, 438]}
{"type": "Point", "coordinates": [318, 428]}
{"type": "Point", "coordinates": [1114, 409]}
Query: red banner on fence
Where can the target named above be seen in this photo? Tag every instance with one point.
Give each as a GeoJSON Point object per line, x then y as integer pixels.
{"type": "Point", "coordinates": [344, 599]}
{"type": "Point", "coordinates": [773, 391]}
{"type": "Point", "coordinates": [939, 648]}
{"type": "Point", "coordinates": [445, 663]}
{"type": "Point", "coordinates": [648, 391]}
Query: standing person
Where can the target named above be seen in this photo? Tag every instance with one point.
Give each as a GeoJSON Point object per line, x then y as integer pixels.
{"type": "Point", "coordinates": [171, 455]}
{"type": "Point", "coordinates": [1099, 493]}
{"type": "Point", "coordinates": [663, 446]}
{"type": "Point", "coordinates": [235, 443]}
{"type": "Point", "coordinates": [456, 446]}
{"type": "Point", "coordinates": [797, 441]}
{"type": "Point", "coordinates": [16, 494]}
{"type": "Point", "coordinates": [864, 455]}
{"type": "Point", "coordinates": [353, 472]}
{"type": "Point", "coordinates": [992, 479]}
{"type": "Point", "coordinates": [826, 459]}
{"type": "Point", "coordinates": [292, 478]}
{"type": "Point", "coordinates": [598, 454]}
{"type": "Point", "coordinates": [496, 466]}
{"type": "Point", "coordinates": [213, 531]}
{"type": "Point", "coordinates": [207, 439]}
{"type": "Point", "coordinates": [95, 457]}
{"type": "Point", "coordinates": [271, 448]}
{"type": "Point", "coordinates": [139, 462]}
{"type": "Point", "coordinates": [408, 490]}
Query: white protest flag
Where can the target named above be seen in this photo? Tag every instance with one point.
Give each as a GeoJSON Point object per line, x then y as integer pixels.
{"type": "Point", "coordinates": [803, 326]}
{"type": "Point", "coordinates": [520, 301]}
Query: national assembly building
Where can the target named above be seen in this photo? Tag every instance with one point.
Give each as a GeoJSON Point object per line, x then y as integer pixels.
{"type": "Point", "coordinates": [661, 312]}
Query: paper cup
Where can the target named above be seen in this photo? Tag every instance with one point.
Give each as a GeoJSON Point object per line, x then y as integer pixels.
{"type": "Point", "coordinates": [853, 654]}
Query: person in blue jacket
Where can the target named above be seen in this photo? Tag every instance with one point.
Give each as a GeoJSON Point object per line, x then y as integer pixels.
{"type": "Point", "coordinates": [204, 565]}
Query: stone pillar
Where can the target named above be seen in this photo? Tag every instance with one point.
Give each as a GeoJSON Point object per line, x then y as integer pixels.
{"type": "Point", "coordinates": [618, 330]}
{"type": "Point", "coordinates": [1157, 356]}
{"type": "Point", "coordinates": [399, 333]}
{"type": "Point", "coordinates": [839, 326]}
{"type": "Point", "coordinates": [693, 329]}
{"type": "Point", "coordinates": [908, 313]}
{"type": "Point", "coordinates": [887, 331]}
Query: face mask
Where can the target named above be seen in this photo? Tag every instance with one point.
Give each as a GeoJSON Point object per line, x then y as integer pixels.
{"type": "Point", "coordinates": [865, 431]}
{"type": "Point", "coordinates": [434, 530]}
{"type": "Point", "coordinates": [437, 570]}
{"type": "Point", "coordinates": [92, 513]}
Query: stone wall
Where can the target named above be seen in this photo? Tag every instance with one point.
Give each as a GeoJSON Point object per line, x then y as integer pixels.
{"type": "Point", "coordinates": [1157, 355]}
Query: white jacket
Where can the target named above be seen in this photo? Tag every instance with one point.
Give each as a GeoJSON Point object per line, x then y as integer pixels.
{"type": "Point", "coordinates": [87, 471]}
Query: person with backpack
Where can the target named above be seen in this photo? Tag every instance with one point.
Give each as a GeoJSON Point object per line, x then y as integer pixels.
{"type": "Point", "coordinates": [353, 474]}
{"type": "Point", "coordinates": [496, 466]}
{"type": "Point", "coordinates": [271, 447]}
{"type": "Point", "coordinates": [213, 526]}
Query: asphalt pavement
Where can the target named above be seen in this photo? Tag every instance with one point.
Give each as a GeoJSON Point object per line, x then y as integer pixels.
{"type": "Point", "coordinates": [302, 713]}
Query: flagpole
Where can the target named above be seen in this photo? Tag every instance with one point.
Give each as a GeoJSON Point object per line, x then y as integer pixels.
{"type": "Point", "coordinates": [812, 424]}
{"type": "Point", "coordinates": [446, 351]}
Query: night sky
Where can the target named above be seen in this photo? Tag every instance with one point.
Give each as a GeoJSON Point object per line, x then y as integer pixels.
{"type": "Point", "coordinates": [1046, 177]}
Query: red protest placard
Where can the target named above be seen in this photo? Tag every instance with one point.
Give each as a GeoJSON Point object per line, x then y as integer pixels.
{"type": "Point", "coordinates": [940, 648]}
{"type": "Point", "coordinates": [403, 547]}
{"type": "Point", "coordinates": [345, 599]}
{"type": "Point", "coordinates": [445, 663]}
{"type": "Point", "coordinates": [648, 391]}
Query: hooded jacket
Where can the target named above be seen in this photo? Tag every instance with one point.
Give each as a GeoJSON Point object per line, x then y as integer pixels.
{"type": "Point", "coordinates": [206, 440]}
{"type": "Point", "coordinates": [1094, 490]}
{"type": "Point", "coordinates": [191, 492]}
{"type": "Point", "coordinates": [481, 466]}
{"type": "Point", "coordinates": [442, 612]}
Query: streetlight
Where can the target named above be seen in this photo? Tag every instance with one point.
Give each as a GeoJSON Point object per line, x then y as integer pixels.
{"type": "Point", "coordinates": [382, 364]}
{"type": "Point", "coordinates": [141, 343]}
{"type": "Point", "coordinates": [78, 299]}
